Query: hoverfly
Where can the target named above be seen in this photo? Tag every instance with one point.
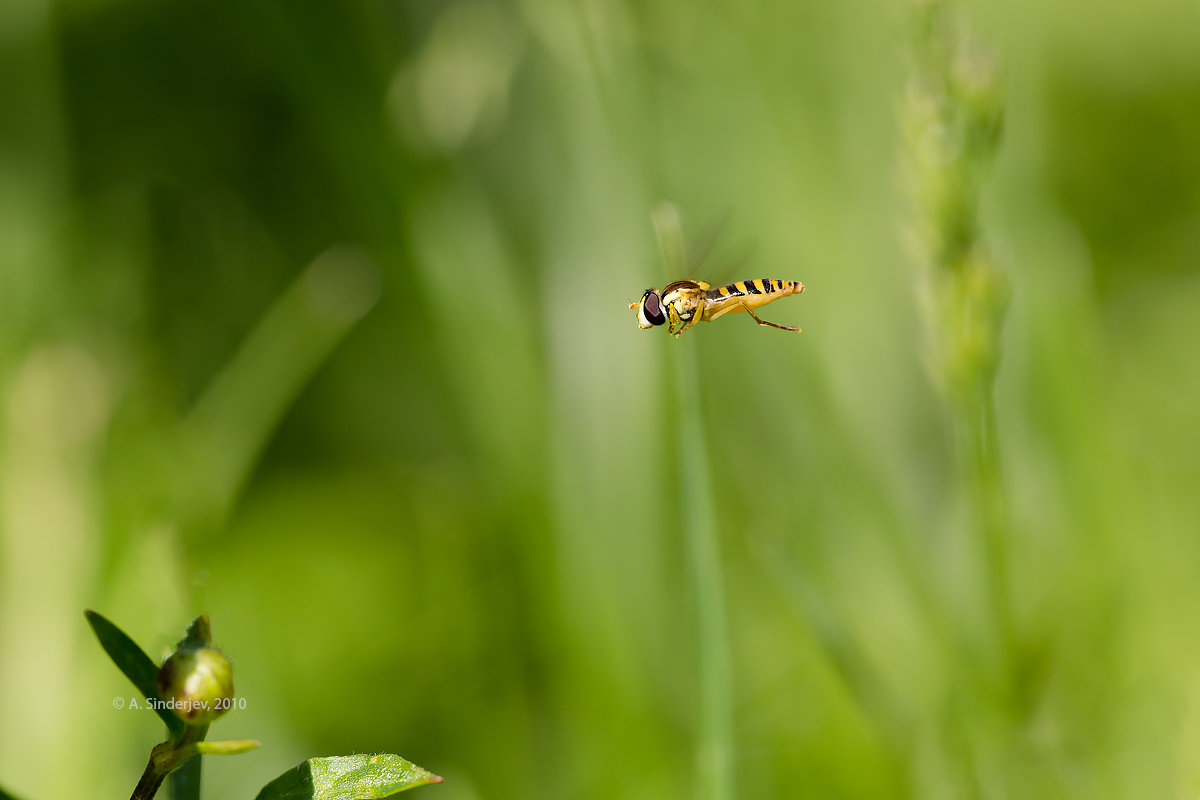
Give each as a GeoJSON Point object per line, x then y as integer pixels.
{"type": "Point", "coordinates": [684, 303]}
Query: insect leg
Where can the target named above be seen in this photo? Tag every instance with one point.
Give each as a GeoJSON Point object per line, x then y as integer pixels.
{"type": "Point", "coordinates": [769, 324]}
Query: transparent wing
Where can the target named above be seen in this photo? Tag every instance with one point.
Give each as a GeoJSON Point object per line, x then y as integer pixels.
{"type": "Point", "coordinates": [671, 246]}
{"type": "Point", "coordinates": [697, 259]}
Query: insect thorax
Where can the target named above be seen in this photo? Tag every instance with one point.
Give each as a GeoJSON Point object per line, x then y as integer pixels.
{"type": "Point", "coordinates": [684, 300]}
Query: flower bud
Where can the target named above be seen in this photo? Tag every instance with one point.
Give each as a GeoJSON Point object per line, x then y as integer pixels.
{"type": "Point", "coordinates": [196, 683]}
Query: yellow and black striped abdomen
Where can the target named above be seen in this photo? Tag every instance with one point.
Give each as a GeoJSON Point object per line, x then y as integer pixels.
{"type": "Point", "coordinates": [747, 295]}
{"type": "Point", "coordinates": [757, 286]}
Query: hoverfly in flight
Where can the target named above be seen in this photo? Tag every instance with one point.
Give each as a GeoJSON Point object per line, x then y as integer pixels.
{"type": "Point", "coordinates": [684, 303]}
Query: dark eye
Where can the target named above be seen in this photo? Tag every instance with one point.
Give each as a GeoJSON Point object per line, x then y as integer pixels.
{"type": "Point", "coordinates": [652, 308]}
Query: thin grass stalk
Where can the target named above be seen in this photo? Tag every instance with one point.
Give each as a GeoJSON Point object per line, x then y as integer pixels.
{"type": "Point", "coordinates": [715, 754]}
{"type": "Point", "coordinates": [953, 114]}
{"type": "Point", "coordinates": [988, 503]}
{"type": "Point", "coordinates": [715, 748]}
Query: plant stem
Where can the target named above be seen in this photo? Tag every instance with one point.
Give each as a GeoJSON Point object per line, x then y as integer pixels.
{"type": "Point", "coordinates": [181, 759]}
{"type": "Point", "coordinates": [151, 780]}
{"type": "Point", "coordinates": [185, 773]}
{"type": "Point", "coordinates": [185, 781]}
{"type": "Point", "coordinates": [715, 753]}
{"type": "Point", "coordinates": [954, 116]}
{"type": "Point", "coordinates": [988, 502]}
{"type": "Point", "coordinates": [165, 758]}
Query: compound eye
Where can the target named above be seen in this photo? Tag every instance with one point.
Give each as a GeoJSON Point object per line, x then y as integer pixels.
{"type": "Point", "coordinates": [652, 308]}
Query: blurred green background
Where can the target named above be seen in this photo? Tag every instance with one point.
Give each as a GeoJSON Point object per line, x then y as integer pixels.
{"type": "Point", "coordinates": [313, 319]}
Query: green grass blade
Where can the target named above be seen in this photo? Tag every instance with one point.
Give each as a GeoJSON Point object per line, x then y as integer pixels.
{"type": "Point", "coordinates": [134, 664]}
{"type": "Point", "coordinates": [698, 514]}
{"type": "Point", "coordinates": [716, 747]}
{"type": "Point", "coordinates": [358, 777]}
{"type": "Point", "coordinates": [231, 422]}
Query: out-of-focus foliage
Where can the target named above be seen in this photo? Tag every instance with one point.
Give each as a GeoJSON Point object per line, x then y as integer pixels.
{"type": "Point", "coordinates": [313, 318]}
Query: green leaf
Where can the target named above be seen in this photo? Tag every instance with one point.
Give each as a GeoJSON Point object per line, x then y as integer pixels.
{"type": "Point", "coordinates": [6, 796]}
{"type": "Point", "coordinates": [227, 747]}
{"type": "Point", "coordinates": [199, 634]}
{"type": "Point", "coordinates": [360, 777]}
{"type": "Point", "coordinates": [135, 664]}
